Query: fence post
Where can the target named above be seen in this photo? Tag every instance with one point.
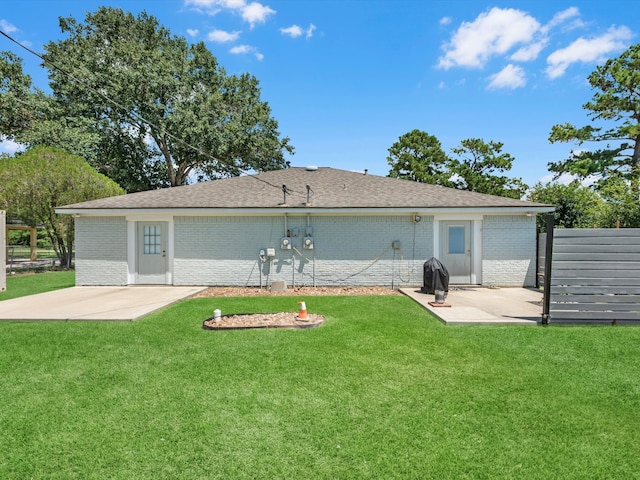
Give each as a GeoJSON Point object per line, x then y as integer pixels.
{"type": "Point", "coordinates": [546, 303]}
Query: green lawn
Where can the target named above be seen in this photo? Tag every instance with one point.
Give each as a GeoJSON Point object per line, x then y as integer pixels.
{"type": "Point", "coordinates": [381, 390]}
{"type": "Point", "coordinates": [20, 285]}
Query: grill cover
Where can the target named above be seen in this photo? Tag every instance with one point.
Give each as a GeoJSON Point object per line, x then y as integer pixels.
{"type": "Point", "coordinates": [435, 276]}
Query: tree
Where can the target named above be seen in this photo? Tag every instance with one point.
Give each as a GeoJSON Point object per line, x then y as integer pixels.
{"type": "Point", "coordinates": [160, 103]}
{"type": "Point", "coordinates": [30, 117]}
{"type": "Point", "coordinates": [577, 206]}
{"type": "Point", "coordinates": [418, 156]}
{"type": "Point", "coordinates": [621, 205]}
{"type": "Point", "coordinates": [475, 167]}
{"type": "Point", "coordinates": [35, 182]}
{"type": "Point", "coordinates": [617, 99]}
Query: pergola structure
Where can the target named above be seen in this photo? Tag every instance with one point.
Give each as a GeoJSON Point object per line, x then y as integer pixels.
{"type": "Point", "coordinates": [33, 239]}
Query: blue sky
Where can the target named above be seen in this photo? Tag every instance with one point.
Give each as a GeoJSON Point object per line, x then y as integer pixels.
{"type": "Point", "coordinates": [346, 78]}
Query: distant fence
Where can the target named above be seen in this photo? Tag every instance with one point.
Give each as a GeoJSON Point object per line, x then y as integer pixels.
{"type": "Point", "coordinates": [3, 242]}
{"type": "Point", "coordinates": [595, 276]}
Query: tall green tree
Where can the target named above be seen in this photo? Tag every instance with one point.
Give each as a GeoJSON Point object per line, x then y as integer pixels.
{"type": "Point", "coordinates": [30, 117]}
{"type": "Point", "coordinates": [577, 206]}
{"type": "Point", "coordinates": [476, 167]}
{"type": "Point", "coordinates": [149, 85]}
{"type": "Point", "coordinates": [615, 133]}
{"type": "Point", "coordinates": [418, 156]}
{"type": "Point", "coordinates": [622, 207]}
{"type": "Point", "coordinates": [35, 182]}
{"type": "Point", "coordinates": [143, 106]}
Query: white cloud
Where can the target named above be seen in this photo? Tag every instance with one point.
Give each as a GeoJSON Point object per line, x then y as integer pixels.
{"type": "Point", "coordinates": [256, 13]}
{"type": "Point", "coordinates": [560, 18]}
{"type": "Point", "coordinates": [222, 36]}
{"type": "Point", "coordinates": [492, 33]}
{"type": "Point", "coordinates": [310, 30]}
{"type": "Point", "coordinates": [293, 31]}
{"type": "Point", "coordinates": [6, 27]}
{"type": "Point", "coordinates": [212, 7]}
{"type": "Point", "coordinates": [510, 76]}
{"type": "Point", "coordinates": [246, 49]}
{"type": "Point", "coordinates": [582, 50]}
{"type": "Point", "coordinates": [251, 13]}
{"type": "Point", "coordinates": [241, 49]}
{"type": "Point", "coordinates": [445, 20]}
{"type": "Point", "coordinates": [529, 52]}
{"type": "Point", "coordinates": [193, 32]}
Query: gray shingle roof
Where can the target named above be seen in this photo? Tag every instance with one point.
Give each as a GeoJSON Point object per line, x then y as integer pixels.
{"type": "Point", "coordinates": [329, 188]}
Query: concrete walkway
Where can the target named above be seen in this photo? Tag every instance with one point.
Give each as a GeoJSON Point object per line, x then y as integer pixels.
{"type": "Point", "coordinates": [94, 303]}
{"type": "Point", "coordinates": [480, 305]}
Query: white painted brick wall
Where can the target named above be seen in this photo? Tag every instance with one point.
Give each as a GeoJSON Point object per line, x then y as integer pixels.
{"type": "Point", "coordinates": [101, 251]}
{"type": "Point", "coordinates": [509, 250]}
{"type": "Point", "coordinates": [224, 250]}
{"type": "Point", "coordinates": [353, 250]}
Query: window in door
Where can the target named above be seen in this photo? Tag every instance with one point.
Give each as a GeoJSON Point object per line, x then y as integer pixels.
{"type": "Point", "coordinates": [152, 240]}
{"type": "Point", "coordinates": [456, 239]}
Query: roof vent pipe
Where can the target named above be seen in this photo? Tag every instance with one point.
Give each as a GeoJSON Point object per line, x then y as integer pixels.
{"type": "Point", "coordinates": [365, 171]}
{"type": "Point", "coordinates": [284, 191]}
{"type": "Point", "coordinates": [308, 194]}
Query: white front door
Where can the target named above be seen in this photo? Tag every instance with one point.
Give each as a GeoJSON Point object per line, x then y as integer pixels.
{"type": "Point", "coordinates": [455, 250]}
{"type": "Point", "coordinates": [152, 253]}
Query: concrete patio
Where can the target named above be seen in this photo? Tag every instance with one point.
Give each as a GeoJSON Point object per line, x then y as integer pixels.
{"type": "Point", "coordinates": [481, 305]}
{"type": "Point", "coordinates": [94, 303]}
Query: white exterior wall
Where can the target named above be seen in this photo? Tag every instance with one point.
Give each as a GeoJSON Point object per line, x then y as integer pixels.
{"type": "Point", "coordinates": [101, 250]}
{"type": "Point", "coordinates": [350, 250]}
{"type": "Point", "coordinates": [509, 250]}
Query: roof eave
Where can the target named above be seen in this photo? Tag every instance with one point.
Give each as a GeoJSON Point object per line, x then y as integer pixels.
{"type": "Point", "coordinates": [525, 209]}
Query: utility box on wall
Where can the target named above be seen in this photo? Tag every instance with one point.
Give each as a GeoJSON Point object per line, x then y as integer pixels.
{"type": "Point", "coordinates": [3, 250]}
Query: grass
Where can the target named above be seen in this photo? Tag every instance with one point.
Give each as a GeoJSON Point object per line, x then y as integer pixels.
{"type": "Point", "coordinates": [29, 284]}
{"type": "Point", "coordinates": [381, 390]}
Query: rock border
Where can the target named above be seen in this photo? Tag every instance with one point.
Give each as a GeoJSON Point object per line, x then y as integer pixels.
{"type": "Point", "coordinates": [262, 320]}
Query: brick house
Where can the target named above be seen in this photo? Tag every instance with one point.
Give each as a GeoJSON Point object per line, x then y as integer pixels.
{"type": "Point", "coordinates": [304, 226]}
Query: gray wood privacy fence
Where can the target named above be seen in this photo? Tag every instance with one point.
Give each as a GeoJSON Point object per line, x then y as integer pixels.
{"type": "Point", "coordinates": [595, 276]}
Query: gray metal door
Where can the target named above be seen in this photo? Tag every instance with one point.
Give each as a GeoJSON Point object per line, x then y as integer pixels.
{"type": "Point", "coordinates": [455, 250]}
{"type": "Point", "coordinates": [152, 253]}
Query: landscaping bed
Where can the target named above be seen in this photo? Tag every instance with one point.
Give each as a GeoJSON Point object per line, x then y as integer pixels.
{"type": "Point", "coordinates": [263, 320]}
{"type": "Point", "coordinates": [294, 291]}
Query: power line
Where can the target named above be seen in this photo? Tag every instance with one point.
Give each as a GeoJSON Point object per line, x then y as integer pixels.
{"type": "Point", "coordinates": [133, 114]}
